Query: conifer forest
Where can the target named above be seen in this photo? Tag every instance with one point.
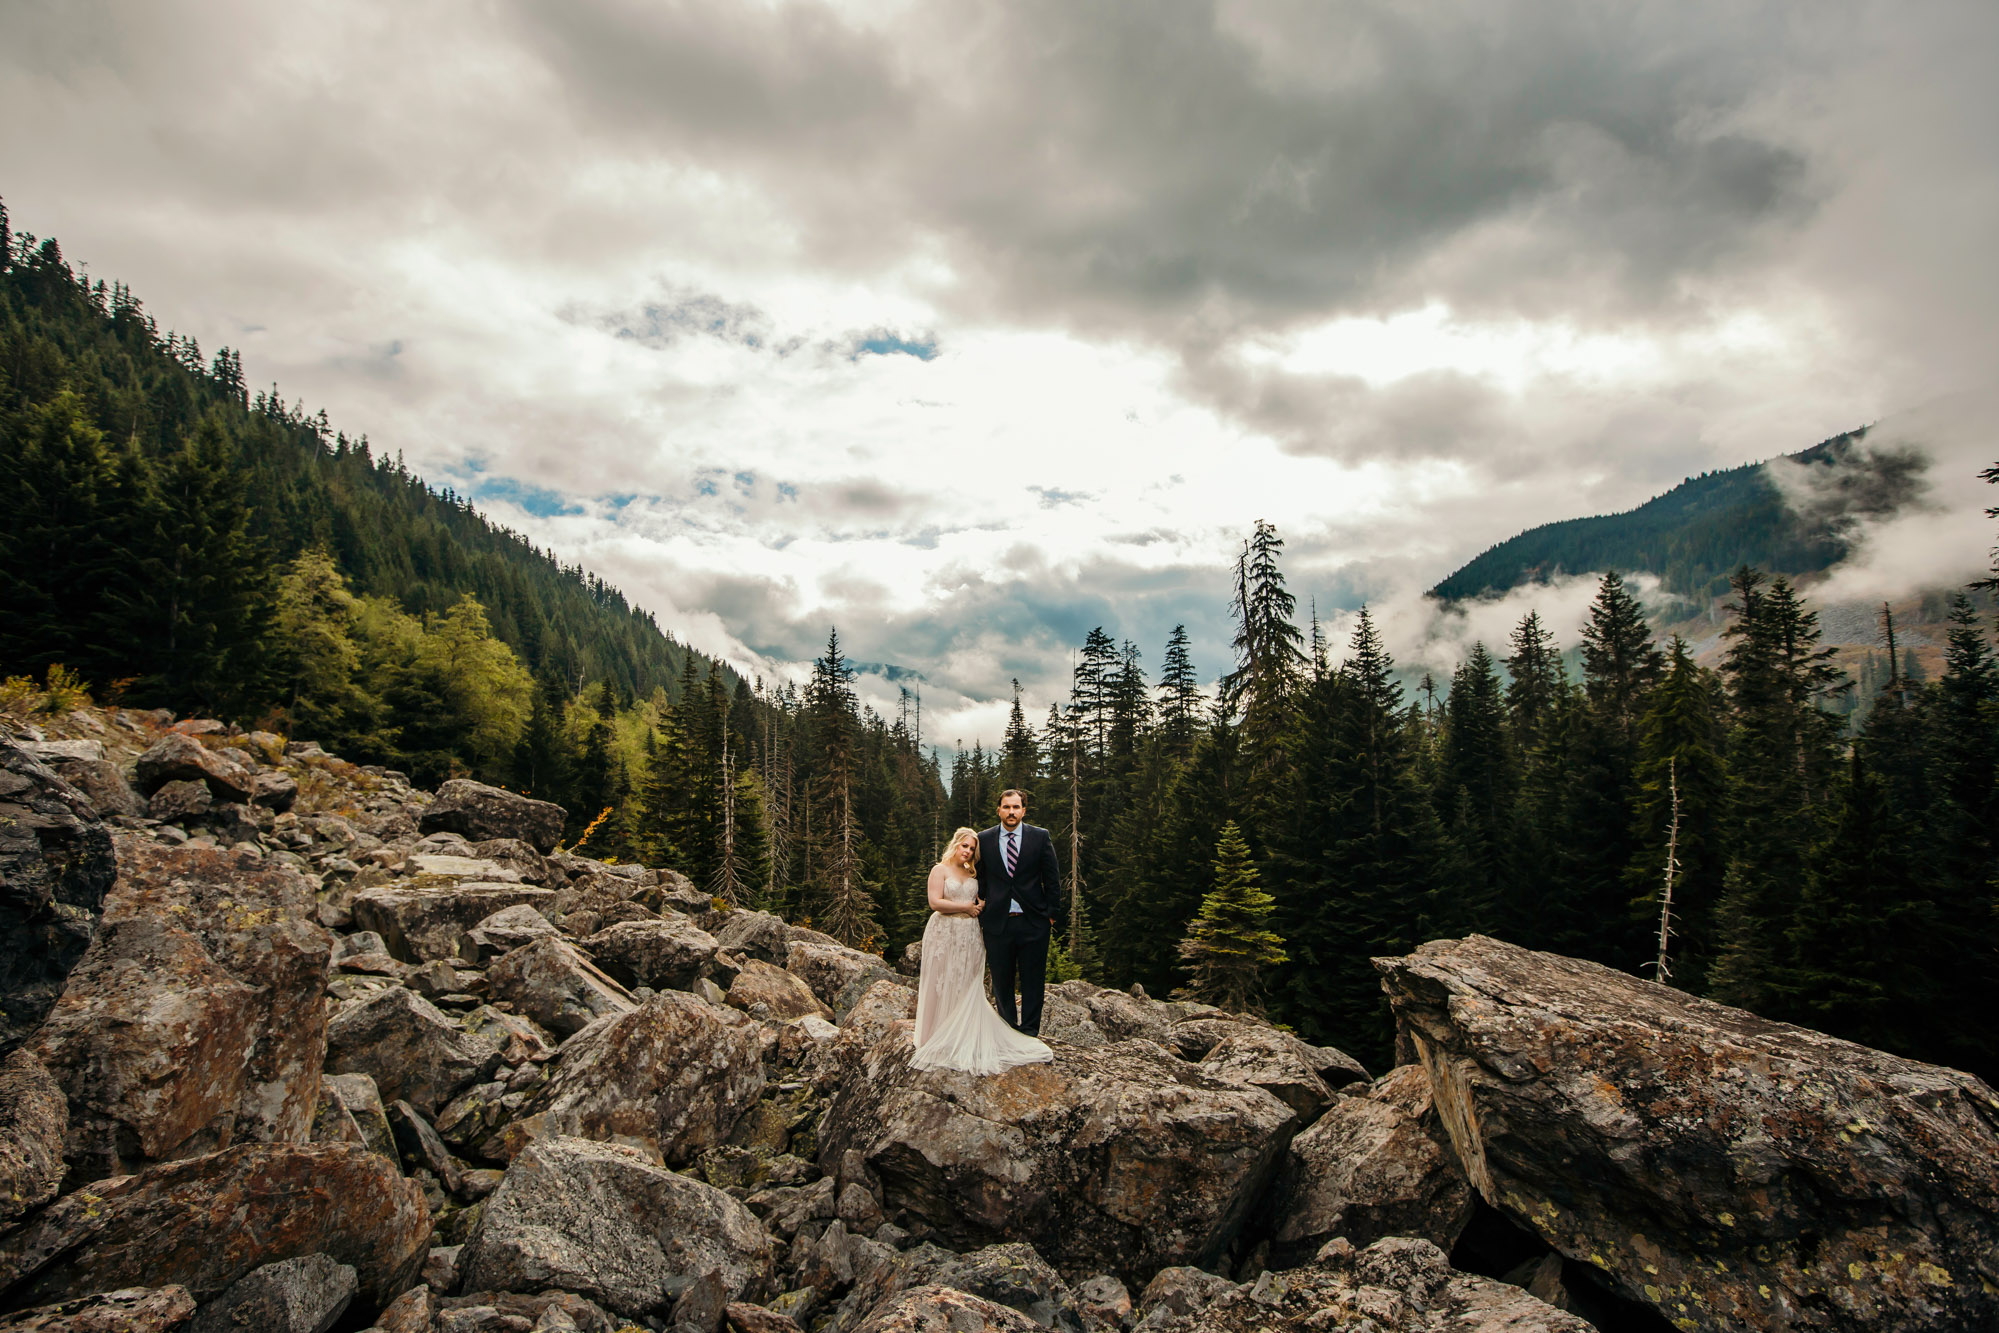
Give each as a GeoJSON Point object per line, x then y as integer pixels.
{"type": "Point", "coordinates": [1736, 828]}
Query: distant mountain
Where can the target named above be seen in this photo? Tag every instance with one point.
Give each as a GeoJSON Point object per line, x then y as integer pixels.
{"type": "Point", "coordinates": [1691, 537]}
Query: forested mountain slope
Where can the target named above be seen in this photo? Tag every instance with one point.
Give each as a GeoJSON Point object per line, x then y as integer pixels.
{"type": "Point", "coordinates": [170, 541]}
{"type": "Point", "coordinates": [1691, 537]}
{"type": "Point", "coordinates": [160, 408]}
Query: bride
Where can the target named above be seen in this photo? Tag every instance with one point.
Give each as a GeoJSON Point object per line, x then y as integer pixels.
{"type": "Point", "coordinates": [956, 1027]}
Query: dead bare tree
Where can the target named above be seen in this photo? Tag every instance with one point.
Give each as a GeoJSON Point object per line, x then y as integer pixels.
{"type": "Point", "coordinates": [727, 881]}
{"type": "Point", "coordinates": [1662, 968]}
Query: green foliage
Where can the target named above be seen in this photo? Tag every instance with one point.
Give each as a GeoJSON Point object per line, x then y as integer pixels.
{"type": "Point", "coordinates": [1229, 944]}
{"type": "Point", "coordinates": [1783, 751]}
{"type": "Point", "coordinates": [1682, 783]}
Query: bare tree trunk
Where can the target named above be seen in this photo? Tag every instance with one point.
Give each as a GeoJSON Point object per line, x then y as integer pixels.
{"type": "Point", "coordinates": [1662, 969]}
{"type": "Point", "coordinates": [1075, 855]}
{"type": "Point", "coordinates": [726, 883]}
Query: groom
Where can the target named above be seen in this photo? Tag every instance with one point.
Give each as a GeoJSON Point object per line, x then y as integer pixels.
{"type": "Point", "coordinates": [1021, 887]}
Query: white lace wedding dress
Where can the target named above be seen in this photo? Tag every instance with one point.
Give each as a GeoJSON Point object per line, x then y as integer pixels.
{"type": "Point", "coordinates": [956, 1027]}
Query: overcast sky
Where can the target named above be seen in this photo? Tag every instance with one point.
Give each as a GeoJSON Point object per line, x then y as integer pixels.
{"type": "Point", "coordinates": [968, 327]}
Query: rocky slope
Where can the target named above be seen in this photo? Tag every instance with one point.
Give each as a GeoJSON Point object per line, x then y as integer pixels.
{"type": "Point", "coordinates": [287, 1044]}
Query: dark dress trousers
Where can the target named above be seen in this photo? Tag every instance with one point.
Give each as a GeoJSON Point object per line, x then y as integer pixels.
{"type": "Point", "coordinates": [1017, 942]}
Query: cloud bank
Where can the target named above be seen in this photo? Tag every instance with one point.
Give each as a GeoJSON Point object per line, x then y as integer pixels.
{"type": "Point", "coordinates": [967, 330]}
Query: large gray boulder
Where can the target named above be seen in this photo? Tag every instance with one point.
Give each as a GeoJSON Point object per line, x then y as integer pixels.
{"type": "Point", "coordinates": [129, 1310]}
{"type": "Point", "coordinates": [502, 932]}
{"type": "Point", "coordinates": [256, 920]}
{"type": "Point", "coordinates": [763, 990]}
{"type": "Point", "coordinates": [477, 812]}
{"type": "Point", "coordinates": [602, 1220]}
{"type": "Point", "coordinates": [671, 1077]}
{"type": "Point", "coordinates": [34, 1120]}
{"type": "Point", "coordinates": [361, 1101]}
{"type": "Point", "coordinates": [1729, 1171]}
{"type": "Point", "coordinates": [1119, 1158]}
{"type": "Point", "coordinates": [1396, 1285]}
{"type": "Point", "coordinates": [56, 864]}
{"type": "Point", "coordinates": [1199, 1037]}
{"type": "Point", "coordinates": [411, 1050]}
{"type": "Point", "coordinates": [178, 758]}
{"type": "Point", "coordinates": [150, 1044]}
{"type": "Point", "coordinates": [100, 779]}
{"type": "Point", "coordinates": [550, 982]}
{"type": "Point", "coordinates": [944, 1310]}
{"type": "Point", "coordinates": [300, 1295]}
{"type": "Point", "coordinates": [666, 953]}
{"type": "Point", "coordinates": [1371, 1166]}
{"type": "Point", "coordinates": [839, 976]}
{"type": "Point", "coordinates": [531, 865]}
{"type": "Point", "coordinates": [424, 923]}
{"type": "Point", "coordinates": [880, 1008]}
{"type": "Point", "coordinates": [1012, 1275]}
{"type": "Point", "coordinates": [1266, 1058]}
{"type": "Point", "coordinates": [755, 935]}
{"type": "Point", "coordinates": [205, 1222]}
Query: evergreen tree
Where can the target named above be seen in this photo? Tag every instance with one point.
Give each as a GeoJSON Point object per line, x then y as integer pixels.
{"type": "Point", "coordinates": [1620, 661]}
{"type": "Point", "coordinates": [1359, 854]}
{"type": "Point", "coordinates": [1162, 887]}
{"type": "Point", "coordinates": [1963, 713]}
{"type": "Point", "coordinates": [1782, 751]}
{"type": "Point", "coordinates": [1682, 797]}
{"type": "Point", "coordinates": [1593, 822]}
{"type": "Point", "coordinates": [1093, 691]}
{"type": "Point", "coordinates": [1021, 753]}
{"type": "Point", "coordinates": [1534, 681]}
{"type": "Point", "coordinates": [1859, 943]}
{"type": "Point", "coordinates": [1230, 945]}
{"type": "Point", "coordinates": [1270, 665]}
{"type": "Point", "coordinates": [1476, 799]}
{"type": "Point", "coordinates": [843, 900]}
{"type": "Point", "coordinates": [1179, 695]}
{"type": "Point", "coordinates": [196, 594]}
{"type": "Point", "coordinates": [598, 774]}
{"type": "Point", "coordinates": [56, 561]}
{"type": "Point", "coordinates": [541, 760]}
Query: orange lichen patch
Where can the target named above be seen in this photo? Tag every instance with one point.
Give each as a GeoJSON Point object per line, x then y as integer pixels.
{"type": "Point", "coordinates": [1023, 1090]}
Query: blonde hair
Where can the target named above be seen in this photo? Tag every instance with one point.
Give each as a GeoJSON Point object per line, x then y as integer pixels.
{"type": "Point", "coordinates": [950, 846]}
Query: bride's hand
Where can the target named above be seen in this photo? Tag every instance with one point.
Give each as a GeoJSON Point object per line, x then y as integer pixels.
{"type": "Point", "coordinates": [976, 906]}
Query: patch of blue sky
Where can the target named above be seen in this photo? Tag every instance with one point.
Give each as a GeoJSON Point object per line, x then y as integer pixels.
{"type": "Point", "coordinates": [887, 342]}
{"type": "Point", "coordinates": [536, 500]}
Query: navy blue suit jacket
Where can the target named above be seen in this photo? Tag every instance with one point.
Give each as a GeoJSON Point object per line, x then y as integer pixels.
{"type": "Point", "coordinates": [1036, 883]}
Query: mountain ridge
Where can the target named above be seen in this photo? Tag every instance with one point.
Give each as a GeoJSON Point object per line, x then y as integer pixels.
{"type": "Point", "coordinates": [1690, 536]}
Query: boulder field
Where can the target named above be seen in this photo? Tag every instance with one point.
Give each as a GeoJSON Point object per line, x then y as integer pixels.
{"type": "Point", "coordinates": [288, 1044]}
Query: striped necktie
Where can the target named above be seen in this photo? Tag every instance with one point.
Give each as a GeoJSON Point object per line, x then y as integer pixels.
{"type": "Point", "coordinates": [1012, 851]}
